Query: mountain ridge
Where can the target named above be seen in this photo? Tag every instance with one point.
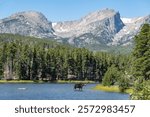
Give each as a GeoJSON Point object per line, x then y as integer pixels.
{"type": "Point", "coordinates": [100, 28]}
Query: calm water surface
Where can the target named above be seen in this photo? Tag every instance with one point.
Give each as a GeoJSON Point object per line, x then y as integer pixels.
{"type": "Point", "coordinates": [55, 92]}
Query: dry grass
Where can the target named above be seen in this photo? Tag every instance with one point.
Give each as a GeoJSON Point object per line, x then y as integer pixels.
{"type": "Point", "coordinates": [111, 89]}
{"type": "Point", "coordinates": [18, 81]}
{"type": "Point", "coordinates": [75, 81]}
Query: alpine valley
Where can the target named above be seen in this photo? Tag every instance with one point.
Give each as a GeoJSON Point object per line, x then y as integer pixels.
{"type": "Point", "coordinates": [103, 30]}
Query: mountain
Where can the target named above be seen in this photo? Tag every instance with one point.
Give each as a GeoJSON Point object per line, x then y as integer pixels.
{"type": "Point", "coordinates": [132, 27]}
{"type": "Point", "coordinates": [29, 23]}
{"type": "Point", "coordinates": [98, 30]}
{"type": "Point", "coordinates": [95, 28]}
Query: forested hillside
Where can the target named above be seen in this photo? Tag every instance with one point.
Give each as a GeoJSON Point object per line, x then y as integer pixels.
{"type": "Point", "coordinates": [27, 58]}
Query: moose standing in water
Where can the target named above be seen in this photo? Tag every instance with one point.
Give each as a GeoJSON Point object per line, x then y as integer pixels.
{"type": "Point", "coordinates": [79, 86]}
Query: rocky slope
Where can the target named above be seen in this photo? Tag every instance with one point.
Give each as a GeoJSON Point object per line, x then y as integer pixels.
{"type": "Point", "coordinates": [29, 23]}
{"type": "Point", "coordinates": [97, 29]}
{"type": "Point", "coordinates": [132, 27]}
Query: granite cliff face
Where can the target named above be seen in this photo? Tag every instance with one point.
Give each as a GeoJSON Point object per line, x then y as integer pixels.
{"type": "Point", "coordinates": [29, 23]}
{"type": "Point", "coordinates": [104, 27]}
{"type": "Point", "coordinates": [95, 28]}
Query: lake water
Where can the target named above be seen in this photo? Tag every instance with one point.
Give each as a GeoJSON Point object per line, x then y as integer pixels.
{"type": "Point", "coordinates": [55, 92]}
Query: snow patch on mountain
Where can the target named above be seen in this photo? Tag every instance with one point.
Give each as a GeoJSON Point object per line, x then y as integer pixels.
{"type": "Point", "coordinates": [54, 24]}
{"type": "Point", "coordinates": [131, 20]}
{"type": "Point", "coordinates": [127, 20]}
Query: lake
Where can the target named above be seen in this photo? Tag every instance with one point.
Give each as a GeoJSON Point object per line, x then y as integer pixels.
{"type": "Point", "coordinates": [55, 92]}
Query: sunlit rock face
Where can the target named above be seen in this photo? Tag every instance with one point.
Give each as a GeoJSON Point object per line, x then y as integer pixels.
{"type": "Point", "coordinates": [104, 27]}
{"type": "Point", "coordinates": [29, 23]}
{"type": "Point", "coordinates": [97, 27]}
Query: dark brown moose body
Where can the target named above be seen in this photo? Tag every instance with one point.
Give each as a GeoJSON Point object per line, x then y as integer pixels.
{"type": "Point", "coordinates": [79, 86]}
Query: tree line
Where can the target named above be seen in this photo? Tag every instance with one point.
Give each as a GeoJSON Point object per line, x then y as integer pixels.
{"type": "Point", "coordinates": [28, 58]}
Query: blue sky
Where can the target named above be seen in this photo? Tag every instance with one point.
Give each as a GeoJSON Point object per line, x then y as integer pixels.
{"type": "Point", "coordinates": [63, 10]}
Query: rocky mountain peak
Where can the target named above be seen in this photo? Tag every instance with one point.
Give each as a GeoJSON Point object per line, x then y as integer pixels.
{"type": "Point", "coordinates": [100, 25]}
{"type": "Point", "coordinates": [101, 14]}
{"type": "Point", "coordinates": [32, 16]}
{"type": "Point", "coordinates": [30, 23]}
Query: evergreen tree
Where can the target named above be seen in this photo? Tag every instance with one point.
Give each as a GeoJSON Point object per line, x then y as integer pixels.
{"type": "Point", "coordinates": [111, 76]}
{"type": "Point", "coordinates": [141, 54]}
{"type": "Point", "coordinates": [123, 82]}
{"type": "Point", "coordinates": [141, 64]}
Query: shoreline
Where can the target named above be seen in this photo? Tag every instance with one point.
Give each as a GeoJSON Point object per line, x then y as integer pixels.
{"type": "Point", "coordinates": [39, 81]}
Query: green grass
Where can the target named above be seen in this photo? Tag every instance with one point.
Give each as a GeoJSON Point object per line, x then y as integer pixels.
{"type": "Point", "coordinates": [111, 89]}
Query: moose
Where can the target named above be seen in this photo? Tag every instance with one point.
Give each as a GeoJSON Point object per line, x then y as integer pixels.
{"type": "Point", "coordinates": [79, 86]}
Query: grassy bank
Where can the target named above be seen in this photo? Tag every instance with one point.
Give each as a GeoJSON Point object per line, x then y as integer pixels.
{"type": "Point", "coordinates": [19, 81]}
{"type": "Point", "coordinates": [39, 81]}
{"type": "Point", "coordinates": [111, 89]}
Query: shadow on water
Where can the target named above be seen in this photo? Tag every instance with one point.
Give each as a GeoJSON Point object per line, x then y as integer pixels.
{"type": "Point", "coordinates": [55, 92]}
{"type": "Point", "coordinates": [79, 91]}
